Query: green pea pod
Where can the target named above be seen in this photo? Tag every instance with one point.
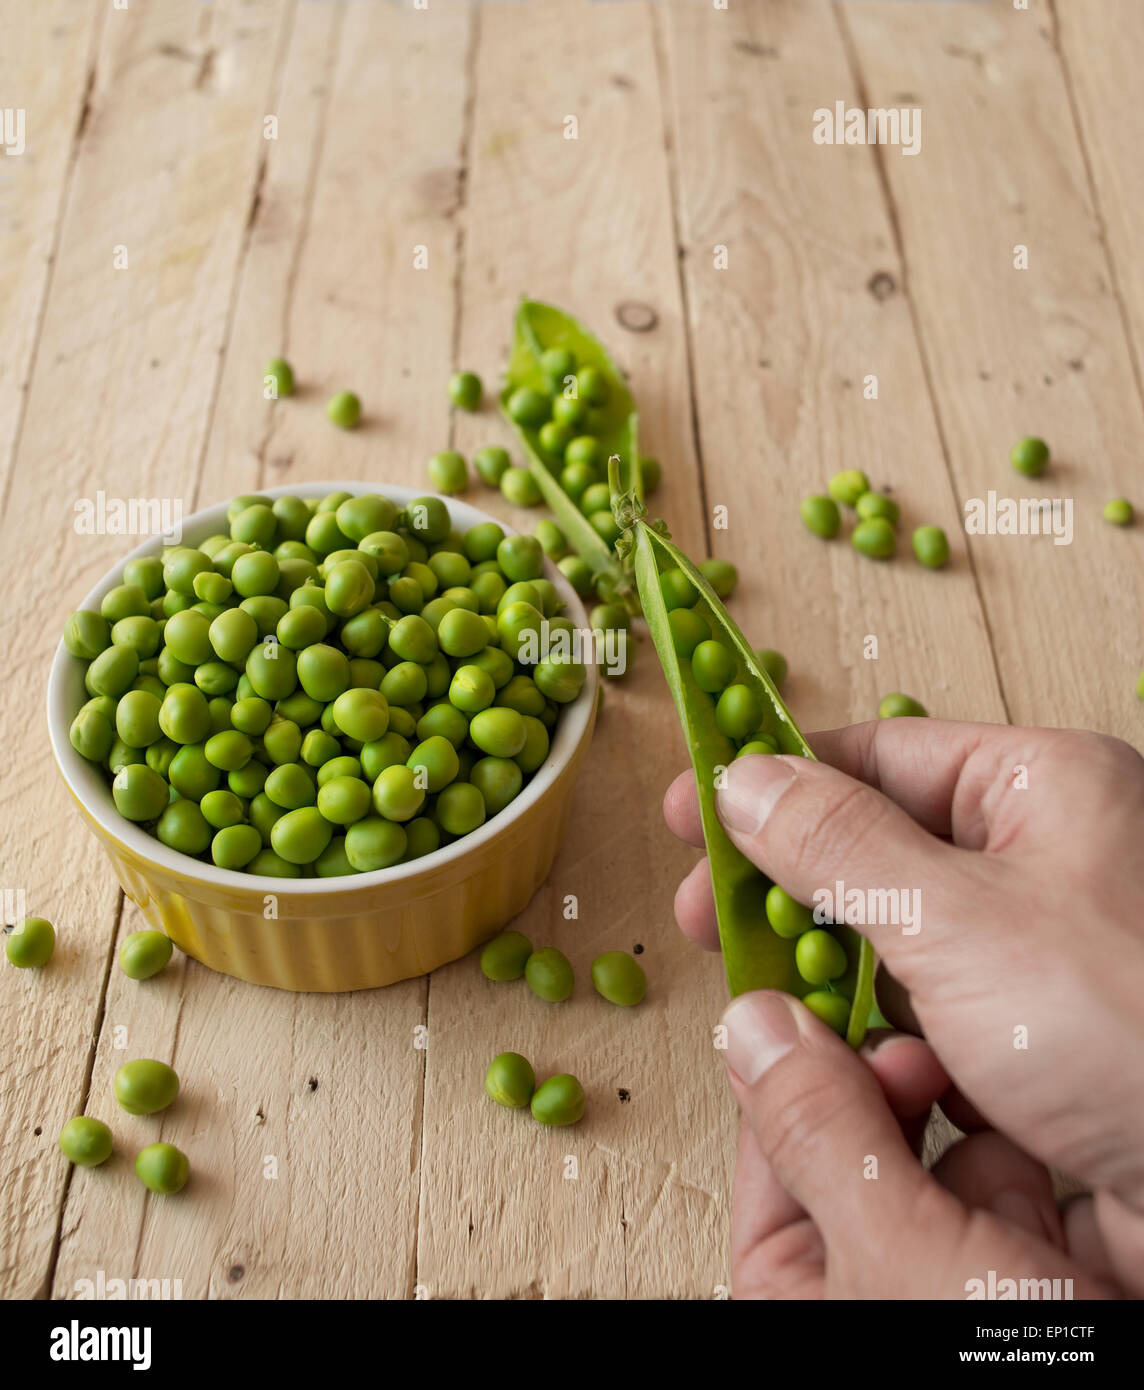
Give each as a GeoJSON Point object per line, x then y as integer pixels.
{"type": "Point", "coordinates": [538, 327]}
{"type": "Point", "coordinates": [754, 955]}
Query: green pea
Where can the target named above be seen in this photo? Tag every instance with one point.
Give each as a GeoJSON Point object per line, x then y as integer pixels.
{"type": "Point", "coordinates": [557, 363]}
{"type": "Point", "coordinates": [236, 846]}
{"type": "Point", "coordinates": [578, 573]}
{"type": "Point", "coordinates": [788, 917]}
{"type": "Point", "coordinates": [561, 681]}
{"type": "Point", "coordinates": [272, 670]}
{"type": "Point", "coordinates": [191, 775]}
{"type": "Point", "coordinates": [465, 390]}
{"type": "Point", "coordinates": [364, 516]}
{"type": "Point", "coordinates": [605, 525]}
{"type": "Point", "coordinates": [146, 573]}
{"type": "Point", "coordinates": [344, 410]}
{"type": "Point", "coordinates": [460, 808]}
{"type": "Point", "coordinates": [162, 1168]}
{"type": "Point", "coordinates": [505, 956]}
{"type": "Point", "coordinates": [833, 1009]}
{"type": "Point", "coordinates": [875, 538]}
{"type": "Point", "coordinates": [592, 386]}
{"type": "Point", "coordinates": [820, 516]}
{"type": "Point", "coordinates": [142, 635]}
{"type": "Point", "coordinates": [282, 741]}
{"type": "Point", "coordinates": [739, 710]}
{"type": "Point", "coordinates": [774, 664]}
{"type": "Point", "coordinates": [559, 1101]}
{"type": "Point", "coordinates": [396, 793]}
{"type": "Point", "coordinates": [931, 547]}
{"type": "Point", "coordinates": [596, 497]}
{"type": "Point", "coordinates": [373, 843]}
{"type": "Point", "coordinates": [819, 957]}
{"type": "Point", "coordinates": [875, 504]}
{"type": "Point", "coordinates": [510, 1080]}
{"type": "Point", "coordinates": [278, 378]}
{"type": "Point", "coordinates": [1119, 512]}
{"type": "Point", "coordinates": [897, 705]}
{"type": "Point", "coordinates": [228, 751]}
{"type": "Point", "coordinates": [248, 781]}
{"type": "Point", "coordinates": [552, 539]}
{"type": "Point", "coordinates": [1029, 456]}
{"type": "Point", "coordinates": [570, 411]}
{"type": "Point", "coordinates": [1140, 686]}
{"type": "Point", "coordinates": [519, 629]}
{"type": "Point", "coordinates": [721, 575]}
{"type": "Point", "coordinates": [291, 786]}
{"type": "Point", "coordinates": [498, 731]}
{"type": "Point", "coordinates": [144, 953]}
{"type": "Point", "coordinates": [688, 630]}
{"type": "Point", "coordinates": [180, 567]}
{"type": "Point", "coordinates": [535, 749]}
{"type": "Point", "coordinates": [548, 973]}
{"type": "Point", "coordinates": [713, 666]}
{"type": "Point", "coordinates": [112, 672]}
{"type": "Point", "coordinates": [86, 1142]}
{"type": "Point", "coordinates": [758, 747]}
{"type": "Point", "coordinates": [139, 793]}
{"type": "Point", "coordinates": [251, 715]}
{"type": "Point", "coordinates": [846, 487]}
{"type": "Point", "coordinates": [520, 488]}
{"type": "Point", "coordinates": [344, 800]}
{"type": "Point", "coordinates": [447, 471]}
{"type": "Point", "coordinates": [30, 943]}
{"type": "Point", "coordinates": [434, 762]}
{"type": "Point", "coordinates": [462, 634]}
{"type": "Point", "coordinates": [273, 865]}
{"type": "Point", "coordinates": [362, 714]}
{"type": "Point", "coordinates": [92, 734]}
{"type": "Point", "coordinates": [577, 477]}
{"type": "Point", "coordinates": [86, 634]}
{"type": "Point", "coordinates": [491, 464]}
{"type": "Point", "coordinates": [498, 780]}
{"type": "Point", "coordinates": [472, 689]}
{"type": "Point", "coordinates": [412, 639]}
{"type": "Point", "coordinates": [528, 407]}
{"type": "Point", "coordinates": [554, 437]}
{"type": "Point", "coordinates": [445, 719]}
{"type": "Point", "coordinates": [145, 1086]}
{"type": "Point", "coordinates": [299, 836]}
{"type": "Point", "coordinates": [222, 807]}
{"type": "Point", "coordinates": [125, 601]}
{"type": "Point", "coordinates": [619, 978]}
{"type": "Point", "coordinates": [584, 449]}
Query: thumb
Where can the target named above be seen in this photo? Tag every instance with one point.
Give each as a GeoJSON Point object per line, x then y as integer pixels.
{"type": "Point", "coordinates": [822, 835]}
{"type": "Point", "coordinates": [824, 1125]}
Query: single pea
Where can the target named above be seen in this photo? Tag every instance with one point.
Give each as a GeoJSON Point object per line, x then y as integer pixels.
{"type": "Point", "coordinates": [162, 1168]}
{"type": "Point", "coordinates": [788, 917]}
{"type": "Point", "coordinates": [299, 836]}
{"type": "Point", "coordinates": [577, 478]}
{"type": "Point", "coordinates": [373, 843]}
{"type": "Point", "coordinates": [278, 378]}
{"type": "Point", "coordinates": [30, 943]}
{"type": "Point", "coordinates": [472, 689]}
{"type": "Point", "coordinates": [147, 573]}
{"type": "Point", "coordinates": [1140, 686]}
{"type": "Point", "coordinates": [548, 973]}
{"type": "Point", "coordinates": [344, 410]}
{"type": "Point", "coordinates": [362, 714]}
{"type": "Point", "coordinates": [721, 575]}
{"type": "Point", "coordinates": [561, 681]}
{"type": "Point", "coordinates": [112, 672]}
{"type": "Point", "coordinates": [290, 786]}
{"type": "Point", "coordinates": [570, 411]}
{"type": "Point", "coordinates": [578, 573]}
{"type": "Point", "coordinates": [758, 747]}
{"type": "Point", "coordinates": [144, 1086]}
{"type": "Point", "coordinates": [820, 516]}
{"type": "Point", "coordinates": [819, 957]}
{"type": "Point", "coordinates": [619, 978]}
{"type": "Point", "coordinates": [465, 390]}
{"type": "Point", "coordinates": [139, 793]}
{"type": "Point", "coordinates": [144, 953]}
{"type": "Point", "coordinates": [875, 538]}
{"type": "Point", "coordinates": [422, 837]}
{"type": "Point", "coordinates": [462, 634]}
{"type": "Point", "coordinates": [584, 449]}
{"type": "Point", "coordinates": [873, 504]}
{"type": "Point", "coordinates": [447, 471]}
{"type": "Point", "coordinates": [236, 846]}
{"type": "Point", "coordinates": [833, 1009]}
{"type": "Point", "coordinates": [460, 808]}
{"type": "Point", "coordinates": [559, 1101]}
{"type": "Point", "coordinates": [739, 710]}
{"type": "Point", "coordinates": [86, 634]}
{"type": "Point", "coordinates": [597, 497]}
{"type": "Point", "coordinates": [557, 363]}
{"type": "Point", "coordinates": [191, 775]}
{"type": "Point", "coordinates": [86, 1142]}
{"type": "Point", "coordinates": [605, 525]}
{"type": "Point", "coordinates": [229, 751]}
{"type": "Point", "coordinates": [774, 664]}
{"type": "Point", "coordinates": [491, 463]}
{"type": "Point", "coordinates": [846, 487]}
{"type": "Point", "coordinates": [554, 437]}
{"type": "Point", "coordinates": [396, 794]}
{"type": "Point", "coordinates": [529, 407]}
{"type": "Point", "coordinates": [505, 956]}
{"type": "Point", "coordinates": [688, 630]}
{"type": "Point", "coordinates": [92, 734]}
{"type": "Point", "coordinates": [1029, 456]}
{"type": "Point", "coordinates": [224, 807]}
{"type": "Point", "coordinates": [359, 517]}
{"type": "Point", "coordinates": [897, 705]}
{"type": "Point", "coordinates": [535, 749]}
{"type": "Point", "coordinates": [592, 386]}
{"type": "Point", "coordinates": [344, 800]}
{"type": "Point", "coordinates": [498, 731]}
{"type": "Point", "coordinates": [444, 719]}
{"type": "Point", "coordinates": [412, 639]}
{"type": "Point", "coordinates": [713, 666]}
{"type": "Point", "coordinates": [1119, 512]}
{"type": "Point", "coordinates": [498, 780]}
{"type": "Point", "coordinates": [552, 539]}
{"type": "Point", "coordinates": [519, 487]}
{"type": "Point", "coordinates": [510, 1080]}
{"type": "Point", "coordinates": [125, 601]}
{"type": "Point", "coordinates": [434, 763]}
{"type": "Point", "coordinates": [931, 547]}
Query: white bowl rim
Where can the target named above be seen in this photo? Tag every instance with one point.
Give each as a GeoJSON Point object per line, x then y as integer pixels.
{"type": "Point", "coordinates": [86, 782]}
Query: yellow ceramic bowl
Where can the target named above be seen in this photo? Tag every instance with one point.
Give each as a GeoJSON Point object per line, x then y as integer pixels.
{"type": "Point", "coordinates": [355, 932]}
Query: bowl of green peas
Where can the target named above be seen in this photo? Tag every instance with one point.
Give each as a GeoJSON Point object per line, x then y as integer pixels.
{"type": "Point", "coordinates": [321, 738]}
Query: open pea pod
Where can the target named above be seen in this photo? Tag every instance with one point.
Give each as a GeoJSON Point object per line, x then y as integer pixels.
{"type": "Point", "coordinates": [755, 956]}
{"type": "Point", "coordinates": [536, 328]}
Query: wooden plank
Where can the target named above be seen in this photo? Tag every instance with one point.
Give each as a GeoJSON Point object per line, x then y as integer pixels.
{"type": "Point", "coordinates": [585, 223]}
{"type": "Point", "coordinates": [1015, 352]}
{"type": "Point", "coordinates": [305, 1139]}
{"type": "Point", "coordinates": [118, 402]}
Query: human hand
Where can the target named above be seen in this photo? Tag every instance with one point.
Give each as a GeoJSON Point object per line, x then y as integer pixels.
{"type": "Point", "coordinates": [1002, 958]}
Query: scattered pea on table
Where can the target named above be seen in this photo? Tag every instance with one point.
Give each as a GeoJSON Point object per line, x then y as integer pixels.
{"type": "Point", "coordinates": [510, 1080]}
{"type": "Point", "coordinates": [30, 943]}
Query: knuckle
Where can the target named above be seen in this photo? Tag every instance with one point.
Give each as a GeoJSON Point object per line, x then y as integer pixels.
{"type": "Point", "coordinates": [836, 829]}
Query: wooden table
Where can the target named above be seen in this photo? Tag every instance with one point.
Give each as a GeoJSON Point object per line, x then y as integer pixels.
{"type": "Point", "coordinates": [158, 248]}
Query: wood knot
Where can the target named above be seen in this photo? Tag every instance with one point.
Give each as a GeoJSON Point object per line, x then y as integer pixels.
{"type": "Point", "coordinates": [636, 317]}
{"type": "Point", "coordinates": [881, 285]}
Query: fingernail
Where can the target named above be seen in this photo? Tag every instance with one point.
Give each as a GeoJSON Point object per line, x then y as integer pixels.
{"type": "Point", "coordinates": [753, 787]}
{"type": "Point", "coordinates": [760, 1029]}
{"type": "Point", "coordinates": [1020, 1210]}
